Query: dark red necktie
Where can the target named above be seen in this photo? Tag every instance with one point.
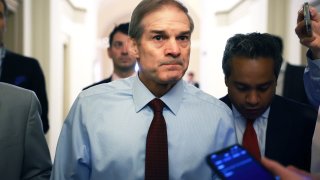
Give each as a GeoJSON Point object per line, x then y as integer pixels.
{"type": "Point", "coordinates": [156, 165]}
{"type": "Point", "coordinates": [250, 140]}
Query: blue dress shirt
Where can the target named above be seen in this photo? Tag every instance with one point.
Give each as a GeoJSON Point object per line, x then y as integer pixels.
{"type": "Point", "coordinates": [104, 135]}
{"type": "Point", "coordinates": [311, 80]}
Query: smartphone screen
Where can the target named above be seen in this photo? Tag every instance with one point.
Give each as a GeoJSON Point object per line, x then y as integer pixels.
{"type": "Point", "coordinates": [235, 162]}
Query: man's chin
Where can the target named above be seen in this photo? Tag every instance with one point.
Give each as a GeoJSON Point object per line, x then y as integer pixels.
{"type": "Point", "coordinates": [252, 114]}
{"type": "Point", "coordinates": [169, 80]}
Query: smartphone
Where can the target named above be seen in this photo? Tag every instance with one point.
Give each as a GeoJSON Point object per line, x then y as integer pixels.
{"type": "Point", "coordinates": [307, 19]}
{"type": "Point", "coordinates": [235, 162]}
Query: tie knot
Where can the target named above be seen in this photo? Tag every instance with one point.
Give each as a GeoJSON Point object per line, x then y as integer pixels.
{"type": "Point", "coordinates": [250, 121]}
{"type": "Point", "coordinates": [157, 105]}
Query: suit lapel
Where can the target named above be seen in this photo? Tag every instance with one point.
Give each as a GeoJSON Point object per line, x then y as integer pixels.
{"type": "Point", "coordinates": [276, 138]}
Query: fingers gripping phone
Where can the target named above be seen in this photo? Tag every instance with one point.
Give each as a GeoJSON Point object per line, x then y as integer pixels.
{"type": "Point", "coordinates": [235, 162]}
{"type": "Point", "coordinates": [307, 19]}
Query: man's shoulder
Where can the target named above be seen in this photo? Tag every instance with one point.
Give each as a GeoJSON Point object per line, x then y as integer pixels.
{"type": "Point", "coordinates": [13, 57]}
{"type": "Point", "coordinates": [12, 93]}
{"type": "Point", "coordinates": [113, 88]}
{"type": "Point", "coordinates": [287, 106]}
{"type": "Point", "coordinates": [18, 56]}
{"type": "Point", "coordinates": [295, 68]}
{"type": "Point", "coordinates": [12, 89]}
{"type": "Point", "coordinates": [289, 103]}
{"type": "Point", "coordinates": [99, 82]}
{"type": "Point", "coordinates": [203, 97]}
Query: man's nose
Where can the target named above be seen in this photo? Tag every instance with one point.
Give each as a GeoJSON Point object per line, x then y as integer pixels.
{"type": "Point", "coordinates": [124, 48]}
{"type": "Point", "coordinates": [172, 48]}
{"type": "Point", "coordinates": [253, 98]}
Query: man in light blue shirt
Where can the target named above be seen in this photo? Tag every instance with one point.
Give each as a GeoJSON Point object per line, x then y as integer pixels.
{"type": "Point", "coordinates": [312, 71]}
{"type": "Point", "coordinates": [312, 81]}
{"type": "Point", "coordinates": [312, 75]}
{"type": "Point", "coordinates": [104, 135]}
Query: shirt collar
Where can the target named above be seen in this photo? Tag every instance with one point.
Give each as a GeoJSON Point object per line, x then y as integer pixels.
{"type": "Point", "coordinates": [142, 96]}
{"type": "Point", "coordinates": [2, 52]}
{"type": "Point", "coordinates": [283, 66]}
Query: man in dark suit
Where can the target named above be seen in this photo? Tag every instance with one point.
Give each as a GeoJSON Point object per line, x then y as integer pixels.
{"type": "Point", "coordinates": [123, 62]}
{"type": "Point", "coordinates": [22, 71]}
{"type": "Point", "coordinates": [24, 151]}
{"type": "Point", "coordinates": [282, 129]}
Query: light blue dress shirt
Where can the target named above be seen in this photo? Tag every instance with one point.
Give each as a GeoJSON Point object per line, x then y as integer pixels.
{"type": "Point", "coordinates": [312, 81]}
{"type": "Point", "coordinates": [259, 125]}
{"type": "Point", "coordinates": [104, 135]}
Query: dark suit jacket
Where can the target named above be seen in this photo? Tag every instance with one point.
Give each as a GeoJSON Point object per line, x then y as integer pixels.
{"type": "Point", "coordinates": [24, 153]}
{"type": "Point", "coordinates": [289, 132]}
{"type": "Point", "coordinates": [100, 82]}
{"type": "Point", "coordinates": [293, 86]}
{"type": "Point", "coordinates": [26, 72]}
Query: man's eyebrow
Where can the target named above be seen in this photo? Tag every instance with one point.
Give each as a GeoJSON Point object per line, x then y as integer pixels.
{"type": "Point", "coordinates": [266, 83]}
{"type": "Point", "coordinates": [157, 31]}
{"type": "Point", "coordinates": [163, 32]}
{"type": "Point", "coordinates": [262, 84]}
{"type": "Point", "coordinates": [240, 83]}
{"type": "Point", "coordinates": [185, 33]}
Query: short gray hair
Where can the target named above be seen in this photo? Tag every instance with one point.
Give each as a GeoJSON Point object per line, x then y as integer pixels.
{"type": "Point", "coordinates": [147, 6]}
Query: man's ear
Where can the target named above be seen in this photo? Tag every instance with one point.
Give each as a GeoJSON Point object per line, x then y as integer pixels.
{"type": "Point", "coordinates": [133, 48]}
{"type": "Point", "coordinates": [109, 52]}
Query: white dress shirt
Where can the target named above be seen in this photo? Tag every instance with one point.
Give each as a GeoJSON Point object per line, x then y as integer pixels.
{"type": "Point", "coordinates": [259, 125]}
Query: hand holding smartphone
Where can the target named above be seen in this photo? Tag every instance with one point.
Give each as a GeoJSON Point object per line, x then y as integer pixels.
{"type": "Point", "coordinates": [307, 19]}
{"type": "Point", "coordinates": [235, 162]}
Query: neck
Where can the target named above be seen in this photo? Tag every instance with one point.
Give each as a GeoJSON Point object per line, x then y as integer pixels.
{"type": "Point", "coordinates": [124, 74]}
{"type": "Point", "coordinates": [160, 90]}
{"type": "Point", "coordinates": [155, 88]}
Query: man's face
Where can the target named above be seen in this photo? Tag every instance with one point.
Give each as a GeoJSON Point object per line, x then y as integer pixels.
{"type": "Point", "coordinates": [2, 22]}
{"type": "Point", "coordinates": [118, 52]}
{"type": "Point", "coordinates": [164, 48]}
{"type": "Point", "coordinates": [251, 85]}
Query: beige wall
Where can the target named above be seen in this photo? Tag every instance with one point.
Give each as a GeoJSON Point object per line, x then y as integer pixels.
{"type": "Point", "coordinates": [216, 27]}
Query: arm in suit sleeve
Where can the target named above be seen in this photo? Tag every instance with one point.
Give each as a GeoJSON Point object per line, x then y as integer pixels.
{"type": "Point", "coordinates": [37, 162]}
{"type": "Point", "coordinates": [312, 81]}
{"type": "Point", "coordinates": [40, 90]}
